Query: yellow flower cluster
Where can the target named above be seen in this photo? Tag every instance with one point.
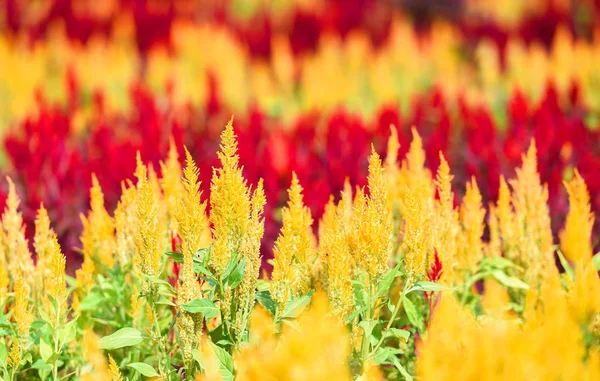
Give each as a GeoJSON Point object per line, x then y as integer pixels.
{"type": "Point", "coordinates": [408, 64]}
{"type": "Point", "coordinates": [376, 246]}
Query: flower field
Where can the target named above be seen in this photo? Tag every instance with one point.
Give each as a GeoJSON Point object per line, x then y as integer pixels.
{"type": "Point", "coordinates": [299, 190]}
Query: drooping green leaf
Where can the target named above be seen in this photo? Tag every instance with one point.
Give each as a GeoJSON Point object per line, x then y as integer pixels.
{"type": "Point", "coordinates": [144, 369]}
{"type": "Point", "coordinates": [236, 276]}
{"type": "Point", "coordinates": [125, 337]}
{"type": "Point", "coordinates": [225, 360]}
{"type": "Point", "coordinates": [509, 281]}
{"type": "Point", "coordinates": [46, 350]}
{"type": "Point", "coordinates": [175, 256]}
{"type": "Point", "coordinates": [412, 313]}
{"type": "Point", "coordinates": [398, 333]}
{"type": "Point", "coordinates": [596, 261]}
{"type": "Point", "coordinates": [161, 282]}
{"type": "Point", "coordinates": [394, 360]}
{"type": "Point", "coordinates": [202, 305]}
{"type": "Point", "coordinates": [425, 286]}
{"type": "Point", "coordinates": [380, 355]}
{"type": "Point", "coordinates": [68, 332]}
{"type": "Point", "coordinates": [295, 306]}
{"type": "Point", "coordinates": [565, 264]}
{"type": "Point", "coordinates": [265, 300]}
{"type": "Point", "coordinates": [386, 281]}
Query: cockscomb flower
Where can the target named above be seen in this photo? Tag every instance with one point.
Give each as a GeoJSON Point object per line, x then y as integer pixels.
{"type": "Point", "coordinates": [54, 282]}
{"type": "Point", "coordinates": [229, 201]}
{"type": "Point", "coordinates": [42, 242]}
{"type": "Point", "coordinates": [575, 239]}
{"type": "Point", "coordinates": [92, 354]}
{"type": "Point", "coordinates": [446, 227]}
{"type": "Point", "coordinates": [23, 310]}
{"type": "Point", "coordinates": [416, 177]}
{"type": "Point", "coordinates": [125, 219]}
{"type": "Point", "coordinates": [472, 220]}
{"type": "Point", "coordinates": [17, 251]}
{"type": "Point", "coordinates": [415, 240]}
{"type": "Point", "coordinates": [529, 199]}
{"type": "Point", "coordinates": [192, 221]}
{"type": "Point", "coordinates": [337, 261]}
{"type": "Point", "coordinates": [171, 184]}
{"type": "Point", "coordinates": [147, 238]}
{"type": "Point", "coordinates": [294, 249]}
{"type": "Point", "coordinates": [113, 370]}
{"type": "Point", "coordinates": [237, 218]}
{"type": "Point", "coordinates": [250, 250]}
{"type": "Point", "coordinates": [98, 229]}
{"type": "Point", "coordinates": [290, 356]}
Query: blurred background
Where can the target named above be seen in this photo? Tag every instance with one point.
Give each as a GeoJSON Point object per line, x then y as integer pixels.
{"type": "Point", "coordinates": [85, 84]}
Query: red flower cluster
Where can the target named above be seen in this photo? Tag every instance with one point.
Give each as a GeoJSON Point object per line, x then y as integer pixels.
{"type": "Point", "coordinates": [52, 163]}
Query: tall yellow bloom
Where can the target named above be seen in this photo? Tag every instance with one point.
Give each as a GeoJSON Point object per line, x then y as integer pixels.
{"type": "Point", "coordinates": [55, 283]}
{"type": "Point", "coordinates": [98, 234]}
{"type": "Point", "coordinates": [229, 201]}
{"type": "Point", "coordinates": [294, 249]}
{"type": "Point", "coordinates": [446, 226]}
{"type": "Point", "coordinates": [575, 239]}
{"type": "Point", "coordinates": [415, 240]}
{"type": "Point", "coordinates": [125, 221]}
{"type": "Point", "coordinates": [529, 199]}
{"type": "Point", "coordinates": [192, 222]}
{"type": "Point", "coordinates": [472, 219]}
{"type": "Point", "coordinates": [375, 228]}
{"type": "Point", "coordinates": [171, 184]}
{"type": "Point", "coordinates": [317, 349]}
{"type": "Point", "coordinates": [22, 310]}
{"type": "Point", "coordinates": [147, 238]}
{"type": "Point", "coordinates": [92, 353]}
{"type": "Point", "coordinates": [17, 250]}
{"type": "Point", "coordinates": [335, 252]}
{"type": "Point", "coordinates": [238, 226]}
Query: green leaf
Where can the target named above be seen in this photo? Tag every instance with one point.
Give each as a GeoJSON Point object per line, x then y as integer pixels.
{"type": "Point", "coordinates": [165, 301]}
{"type": "Point", "coordinates": [202, 305]}
{"type": "Point", "coordinates": [176, 256]}
{"type": "Point", "coordinates": [45, 350]}
{"type": "Point", "coordinates": [90, 302]}
{"type": "Point", "coordinates": [425, 286]}
{"type": "Point", "coordinates": [360, 294]}
{"type": "Point", "coordinates": [412, 313]}
{"type": "Point", "coordinates": [40, 364]}
{"type": "Point", "coordinates": [3, 354]}
{"type": "Point", "coordinates": [386, 281]}
{"type": "Point", "coordinates": [125, 337]}
{"type": "Point", "coordinates": [497, 262]}
{"type": "Point", "coordinates": [295, 306]}
{"type": "Point", "coordinates": [202, 255]}
{"type": "Point", "coordinates": [401, 369]}
{"type": "Point", "coordinates": [380, 355]}
{"type": "Point", "coordinates": [265, 300]}
{"type": "Point", "coordinates": [398, 333]}
{"type": "Point", "coordinates": [596, 261]}
{"type": "Point", "coordinates": [367, 326]}
{"type": "Point", "coordinates": [565, 264]}
{"type": "Point", "coordinates": [67, 332]}
{"type": "Point", "coordinates": [145, 369]}
{"type": "Point", "coordinates": [233, 262]}
{"type": "Point", "coordinates": [509, 281]}
{"type": "Point", "coordinates": [157, 280]}
{"type": "Point", "coordinates": [225, 360]}
{"type": "Point", "coordinates": [236, 276]}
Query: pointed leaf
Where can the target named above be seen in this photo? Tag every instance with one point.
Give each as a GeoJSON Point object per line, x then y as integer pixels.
{"type": "Point", "coordinates": [202, 305]}
{"type": "Point", "coordinates": [125, 337]}
{"type": "Point", "coordinates": [144, 369]}
{"type": "Point", "coordinates": [295, 306]}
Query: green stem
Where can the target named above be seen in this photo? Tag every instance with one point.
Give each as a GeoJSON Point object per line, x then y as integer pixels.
{"type": "Point", "coordinates": [392, 319]}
